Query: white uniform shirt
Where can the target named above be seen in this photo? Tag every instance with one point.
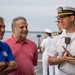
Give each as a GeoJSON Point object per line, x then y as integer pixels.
{"type": "Point", "coordinates": [46, 44]}
{"type": "Point", "coordinates": [59, 41]}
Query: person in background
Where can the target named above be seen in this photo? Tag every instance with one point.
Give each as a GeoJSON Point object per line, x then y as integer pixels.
{"type": "Point", "coordinates": [59, 25]}
{"type": "Point", "coordinates": [60, 28]}
{"type": "Point", "coordinates": [7, 60]}
{"type": "Point", "coordinates": [45, 47]}
{"type": "Point", "coordinates": [24, 50]}
{"type": "Point", "coordinates": [66, 16]}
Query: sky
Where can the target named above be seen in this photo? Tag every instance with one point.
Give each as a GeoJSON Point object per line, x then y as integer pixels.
{"type": "Point", "coordinates": [40, 14]}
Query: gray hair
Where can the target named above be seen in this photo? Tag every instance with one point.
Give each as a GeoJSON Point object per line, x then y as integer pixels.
{"type": "Point", "coordinates": [16, 19]}
{"type": "Point", "coordinates": [49, 34]}
{"type": "Point", "coordinates": [1, 19]}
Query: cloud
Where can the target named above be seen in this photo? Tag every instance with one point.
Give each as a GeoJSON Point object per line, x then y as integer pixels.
{"type": "Point", "coordinates": [40, 14]}
{"type": "Point", "coordinates": [29, 9]}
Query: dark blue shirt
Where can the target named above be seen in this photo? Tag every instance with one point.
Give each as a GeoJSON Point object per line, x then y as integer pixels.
{"type": "Point", "coordinates": [5, 53]}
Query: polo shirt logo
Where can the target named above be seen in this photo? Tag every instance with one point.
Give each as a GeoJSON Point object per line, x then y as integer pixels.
{"type": "Point", "coordinates": [4, 53]}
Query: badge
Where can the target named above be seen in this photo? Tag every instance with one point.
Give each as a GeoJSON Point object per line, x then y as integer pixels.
{"type": "Point", "coordinates": [4, 53]}
{"type": "Point", "coordinates": [60, 9]}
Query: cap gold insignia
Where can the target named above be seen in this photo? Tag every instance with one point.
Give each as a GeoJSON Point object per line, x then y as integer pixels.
{"type": "Point", "coordinates": [60, 9]}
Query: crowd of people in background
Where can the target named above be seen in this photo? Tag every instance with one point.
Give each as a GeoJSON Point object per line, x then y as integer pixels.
{"type": "Point", "coordinates": [19, 55]}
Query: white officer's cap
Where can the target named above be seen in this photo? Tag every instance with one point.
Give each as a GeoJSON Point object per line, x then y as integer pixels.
{"type": "Point", "coordinates": [48, 31]}
{"type": "Point", "coordinates": [65, 11]}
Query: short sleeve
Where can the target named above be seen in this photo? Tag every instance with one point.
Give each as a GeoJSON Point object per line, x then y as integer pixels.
{"type": "Point", "coordinates": [10, 55]}
{"type": "Point", "coordinates": [35, 61]}
{"type": "Point", "coordinates": [43, 43]}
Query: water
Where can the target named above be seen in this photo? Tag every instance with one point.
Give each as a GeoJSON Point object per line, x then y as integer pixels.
{"type": "Point", "coordinates": [31, 35]}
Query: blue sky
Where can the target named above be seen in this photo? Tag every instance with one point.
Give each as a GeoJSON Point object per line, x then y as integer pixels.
{"type": "Point", "coordinates": [40, 14]}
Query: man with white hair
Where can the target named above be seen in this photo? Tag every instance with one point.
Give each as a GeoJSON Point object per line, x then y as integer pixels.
{"type": "Point", "coordinates": [45, 47]}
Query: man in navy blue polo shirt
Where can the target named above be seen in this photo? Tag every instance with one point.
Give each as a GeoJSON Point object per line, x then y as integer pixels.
{"type": "Point", "coordinates": [7, 60]}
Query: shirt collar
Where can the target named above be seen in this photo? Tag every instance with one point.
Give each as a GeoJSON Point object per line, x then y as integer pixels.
{"type": "Point", "coordinates": [63, 34]}
{"type": "Point", "coordinates": [16, 41]}
{"type": "Point", "coordinates": [0, 45]}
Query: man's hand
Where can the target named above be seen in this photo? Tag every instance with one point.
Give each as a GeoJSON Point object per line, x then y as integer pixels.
{"type": "Point", "coordinates": [68, 57]}
{"type": "Point", "coordinates": [2, 65]}
{"type": "Point", "coordinates": [67, 52]}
